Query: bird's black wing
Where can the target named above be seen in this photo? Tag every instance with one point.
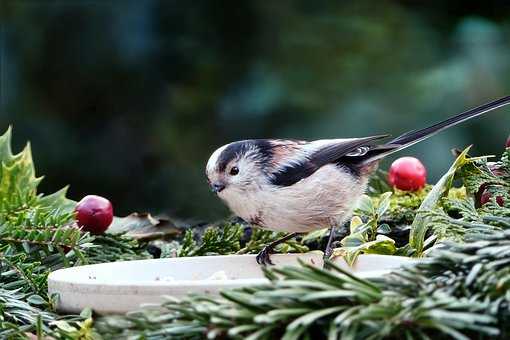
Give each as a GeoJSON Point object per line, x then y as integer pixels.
{"type": "Point", "coordinates": [354, 147]}
{"type": "Point", "coordinates": [299, 169]}
{"type": "Point", "coordinates": [357, 153]}
{"type": "Point", "coordinates": [412, 137]}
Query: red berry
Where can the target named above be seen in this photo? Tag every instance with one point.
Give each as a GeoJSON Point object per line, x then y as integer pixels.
{"type": "Point", "coordinates": [407, 173]}
{"type": "Point", "coordinates": [496, 169]}
{"type": "Point", "coordinates": [94, 214]}
{"type": "Point", "coordinates": [486, 196]}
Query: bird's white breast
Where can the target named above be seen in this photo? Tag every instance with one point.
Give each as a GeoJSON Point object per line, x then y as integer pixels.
{"type": "Point", "coordinates": [325, 198]}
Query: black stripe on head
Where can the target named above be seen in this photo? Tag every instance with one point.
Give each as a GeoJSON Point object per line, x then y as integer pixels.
{"type": "Point", "coordinates": [265, 150]}
{"type": "Point", "coordinates": [232, 151]}
{"type": "Point", "coordinates": [238, 149]}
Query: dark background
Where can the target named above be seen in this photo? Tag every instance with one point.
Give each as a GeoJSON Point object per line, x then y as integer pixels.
{"type": "Point", "coordinates": [127, 99]}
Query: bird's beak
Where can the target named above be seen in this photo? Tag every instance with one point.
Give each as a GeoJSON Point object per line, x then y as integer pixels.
{"type": "Point", "coordinates": [217, 187]}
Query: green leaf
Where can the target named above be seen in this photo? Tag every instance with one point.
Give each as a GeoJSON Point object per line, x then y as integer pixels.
{"type": "Point", "coordinates": [366, 206]}
{"type": "Point", "coordinates": [315, 235]}
{"type": "Point", "coordinates": [351, 256]}
{"type": "Point", "coordinates": [356, 224]}
{"type": "Point", "coordinates": [86, 313]}
{"type": "Point", "coordinates": [307, 319]}
{"type": "Point", "coordinates": [384, 203]}
{"type": "Point", "coordinates": [65, 326]}
{"type": "Point", "coordinates": [382, 245]}
{"type": "Point", "coordinates": [384, 229]}
{"type": "Point", "coordinates": [5, 146]}
{"type": "Point", "coordinates": [144, 227]}
{"type": "Point", "coordinates": [352, 241]}
{"type": "Point", "coordinates": [36, 300]}
{"type": "Point", "coordinates": [59, 200]}
{"type": "Point", "coordinates": [18, 176]}
{"type": "Point", "coordinates": [419, 226]}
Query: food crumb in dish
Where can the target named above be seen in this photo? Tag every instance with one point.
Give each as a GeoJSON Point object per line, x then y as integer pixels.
{"type": "Point", "coordinates": [168, 278]}
{"type": "Point", "coordinates": [219, 275]}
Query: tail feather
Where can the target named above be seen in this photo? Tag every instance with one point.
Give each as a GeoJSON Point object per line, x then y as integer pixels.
{"type": "Point", "coordinates": [412, 137]}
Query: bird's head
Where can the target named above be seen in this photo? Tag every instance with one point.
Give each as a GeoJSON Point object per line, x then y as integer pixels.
{"type": "Point", "coordinates": [238, 168]}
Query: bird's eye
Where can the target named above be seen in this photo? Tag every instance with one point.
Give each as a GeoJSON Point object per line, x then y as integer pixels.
{"type": "Point", "coordinates": [234, 171]}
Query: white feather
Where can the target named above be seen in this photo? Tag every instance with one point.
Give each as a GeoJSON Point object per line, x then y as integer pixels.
{"type": "Point", "coordinates": [213, 160]}
{"type": "Point", "coordinates": [321, 200]}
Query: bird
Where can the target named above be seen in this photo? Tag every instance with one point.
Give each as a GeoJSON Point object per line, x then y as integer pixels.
{"type": "Point", "coordinates": [298, 186]}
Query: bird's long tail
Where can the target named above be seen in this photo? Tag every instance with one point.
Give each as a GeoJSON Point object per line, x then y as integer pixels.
{"type": "Point", "coordinates": [412, 137]}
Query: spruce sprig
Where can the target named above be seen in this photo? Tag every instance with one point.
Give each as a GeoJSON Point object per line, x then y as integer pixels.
{"type": "Point", "coordinates": [459, 292]}
{"type": "Point", "coordinates": [38, 235]}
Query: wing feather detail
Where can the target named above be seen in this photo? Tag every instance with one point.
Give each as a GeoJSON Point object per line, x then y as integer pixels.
{"type": "Point", "coordinates": [294, 161]}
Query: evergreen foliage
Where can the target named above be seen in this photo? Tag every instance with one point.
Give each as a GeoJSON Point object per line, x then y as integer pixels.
{"type": "Point", "coordinates": [38, 234]}
{"type": "Point", "coordinates": [459, 289]}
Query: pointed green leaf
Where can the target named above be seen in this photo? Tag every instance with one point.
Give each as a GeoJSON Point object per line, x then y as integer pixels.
{"type": "Point", "coordinates": [384, 203]}
{"type": "Point", "coordinates": [384, 229]}
{"type": "Point", "coordinates": [366, 205]}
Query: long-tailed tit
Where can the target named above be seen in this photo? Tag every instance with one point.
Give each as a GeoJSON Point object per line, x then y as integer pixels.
{"type": "Point", "coordinates": [298, 186]}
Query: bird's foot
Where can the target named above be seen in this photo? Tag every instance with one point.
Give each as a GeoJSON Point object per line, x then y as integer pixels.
{"type": "Point", "coordinates": [330, 249]}
{"type": "Point", "coordinates": [328, 252]}
{"type": "Point", "coordinates": [331, 244]}
{"type": "Point", "coordinates": [264, 257]}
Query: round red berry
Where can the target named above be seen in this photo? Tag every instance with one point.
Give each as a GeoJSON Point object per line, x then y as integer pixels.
{"type": "Point", "coordinates": [94, 214]}
{"type": "Point", "coordinates": [407, 173]}
{"type": "Point", "coordinates": [486, 196]}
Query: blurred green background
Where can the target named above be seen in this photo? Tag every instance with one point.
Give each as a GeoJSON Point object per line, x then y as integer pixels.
{"type": "Point", "coordinates": [127, 99]}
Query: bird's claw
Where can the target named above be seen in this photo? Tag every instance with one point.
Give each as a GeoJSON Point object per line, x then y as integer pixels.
{"type": "Point", "coordinates": [264, 257]}
{"type": "Point", "coordinates": [331, 250]}
{"type": "Point", "coordinates": [328, 252]}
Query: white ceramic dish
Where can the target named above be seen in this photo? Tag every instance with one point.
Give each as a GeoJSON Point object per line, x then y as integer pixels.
{"type": "Point", "coordinates": [119, 287]}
